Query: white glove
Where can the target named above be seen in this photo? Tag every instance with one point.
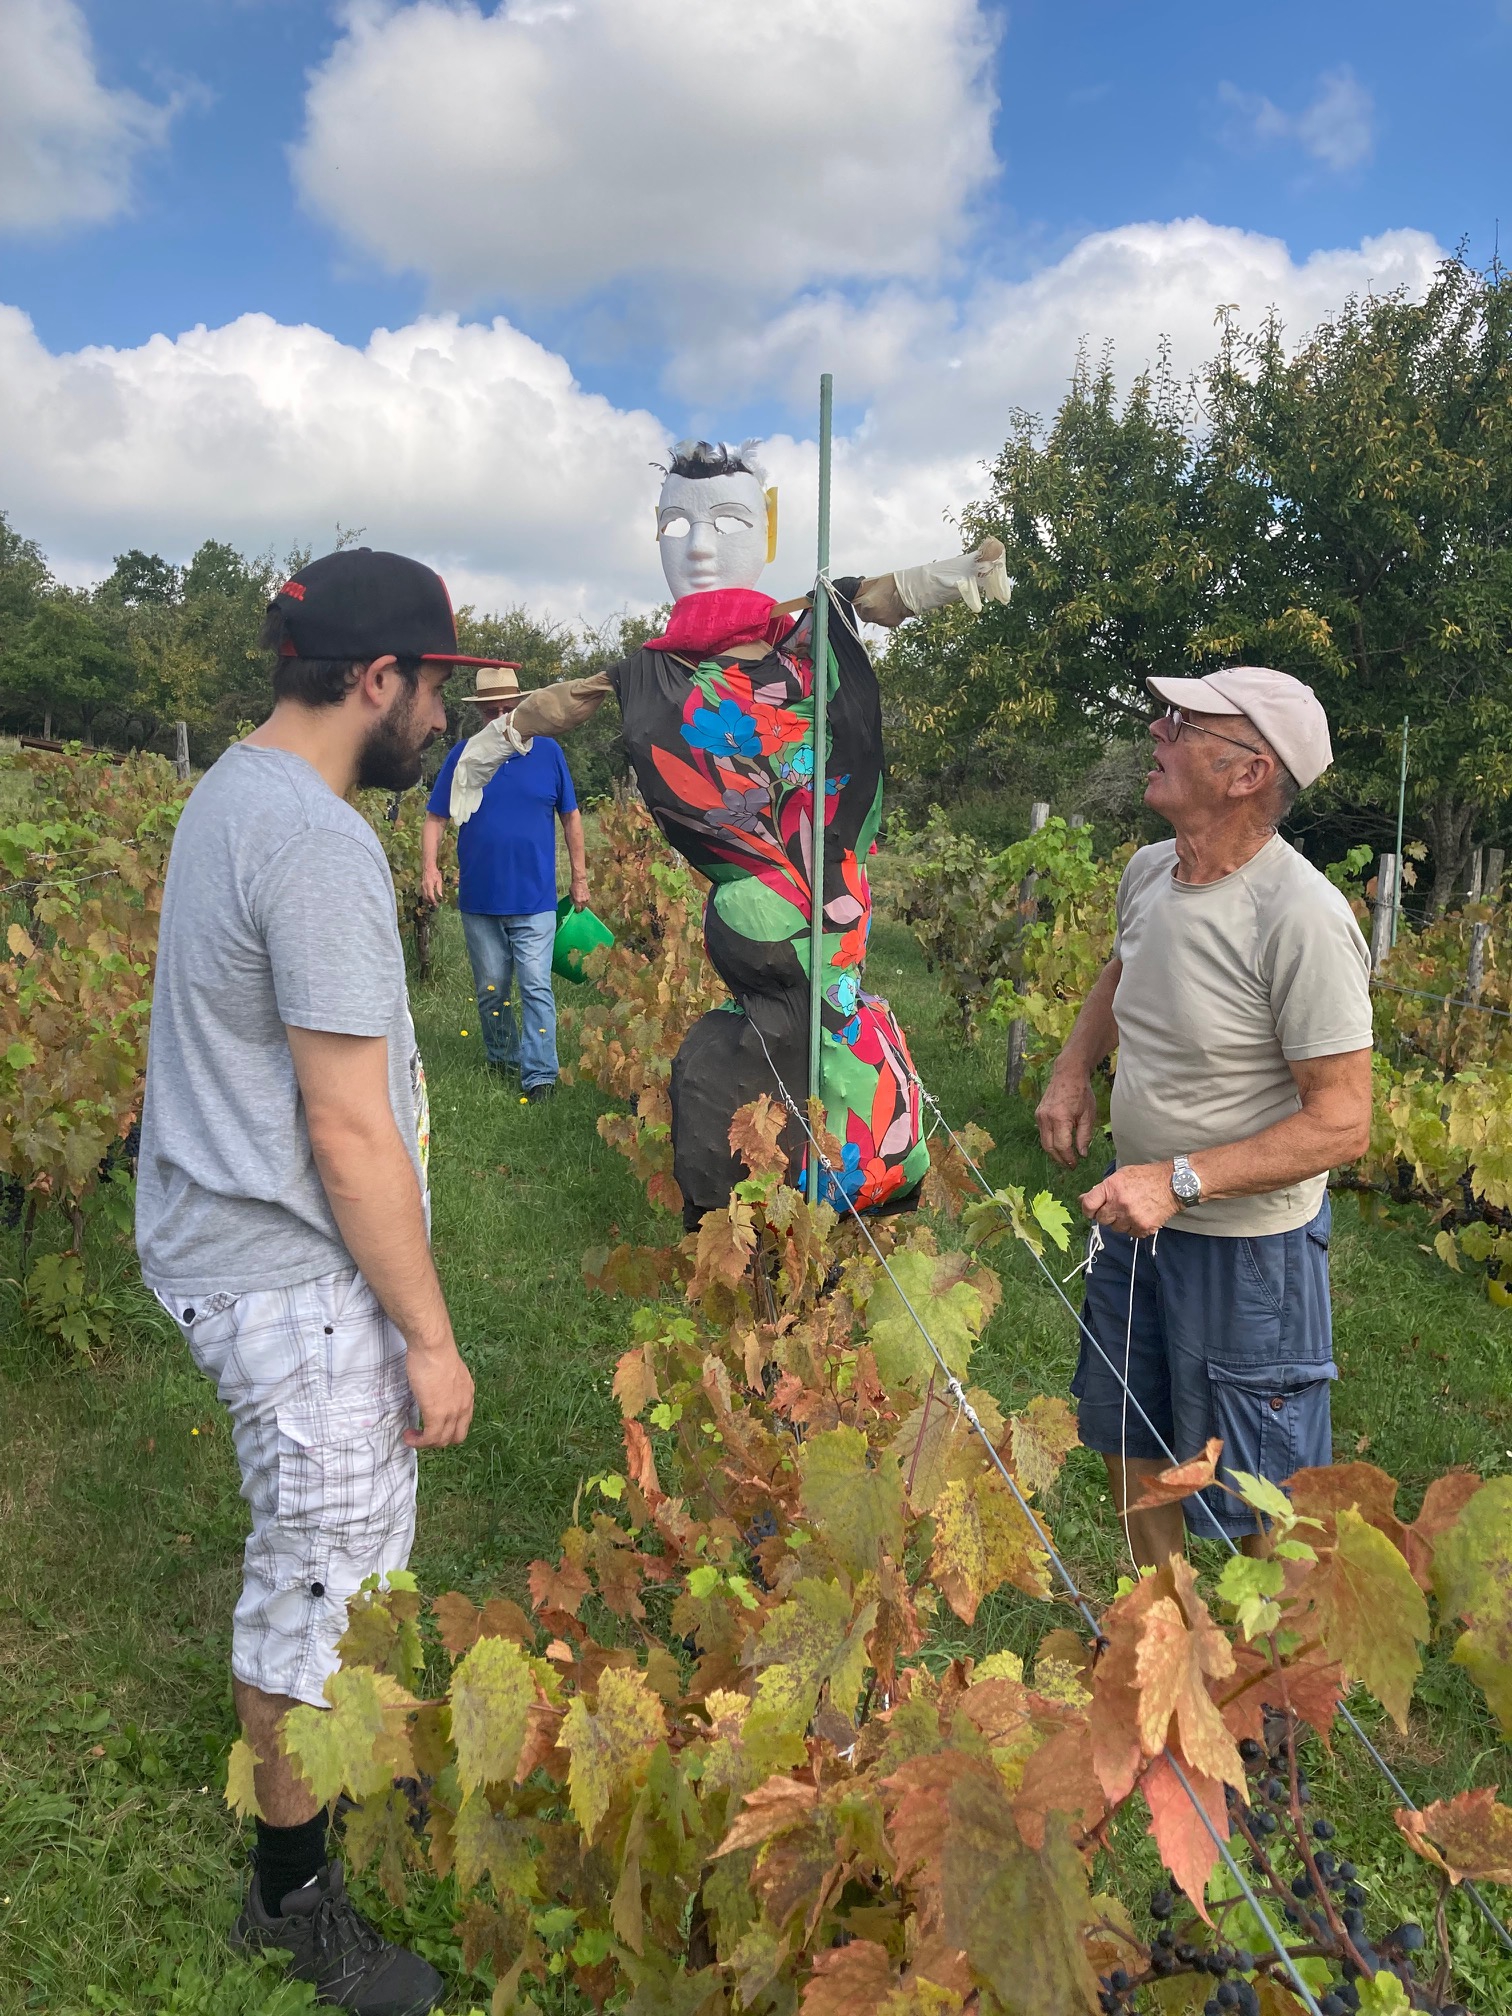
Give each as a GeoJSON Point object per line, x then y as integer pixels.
{"type": "Point", "coordinates": [482, 754]}
{"type": "Point", "coordinates": [971, 576]}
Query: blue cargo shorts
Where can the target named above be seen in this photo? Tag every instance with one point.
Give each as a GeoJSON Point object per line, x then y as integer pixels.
{"type": "Point", "coordinates": [1221, 1336]}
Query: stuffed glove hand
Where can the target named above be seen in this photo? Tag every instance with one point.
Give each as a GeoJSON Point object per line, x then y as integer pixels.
{"type": "Point", "coordinates": [481, 756]}
{"type": "Point", "coordinates": [972, 577]}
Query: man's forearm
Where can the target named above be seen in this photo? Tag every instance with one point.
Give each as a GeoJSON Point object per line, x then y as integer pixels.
{"type": "Point", "coordinates": [1094, 1034]}
{"type": "Point", "coordinates": [430, 840]}
{"type": "Point", "coordinates": [1294, 1150]}
{"type": "Point", "coordinates": [375, 1199]}
{"type": "Point", "coordinates": [572, 833]}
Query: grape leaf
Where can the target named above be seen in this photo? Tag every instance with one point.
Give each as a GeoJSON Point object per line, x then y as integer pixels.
{"type": "Point", "coordinates": [493, 1844]}
{"type": "Point", "coordinates": [560, 1588]}
{"type": "Point", "coordinates": [1370, 1491]}
{"type": "Point", "coordinates": [457, 1622]}
{"type": "Point", "coordinates": [848, 1980]}
{"type": "Point", "coordinates": [1469, 1835]}
{"type": "Point", "coordinates": [1186, 1847]}
{"type": "Point", "coordinates": [1251, 1586]}
{"type": "Point", "coordinates": [857, 1505]}
{"type": "Point", "coordinates": [982, 1540]}
{"type": "Point", "coordinates": [610, 1744]}
{"type": "Point", "coordinates": [241, 1787]}
{"type": "Point", "coordinates": [754, 1133]}
{"type": "Point", "coordinates": [354, 1746]}
{"type": "Point", "coordinates": [952, 1318]}
{"type": "Point", "coordinates": [1018, 1915]}
{"type": "Point", "coordinates": [770, 1809]}
{"type": "Point", "coordinates": [1171, 1486]}
{"type": "Point", "coordinates": [1053, 1218]}
{"type": "Point", "coordinates": [1369, 1612]}
{"type": "Point", "coordinates": [1179, 1649]}
{"type": "Point", "coordinates": [726, 1241]}
{"type": "Point", "coordinates": [19, 941]}
{"type": "Point", "coordinates": [634, 1383]}
{"type": "Point", "coordinates": [1472, 1574]}
{"type": "Point", "coordinates": [1040, 1439]}
{"type": "Point", "coordinates": [1443, 1502]}
{"type": "Point", "coordinates": [378, 1830]}
{"type": "Point", "coordinates": [815, 1636]}
{"type": "Point", "coordinates": [1382, 1994]}
{"type": "Point", "coordinates": [491, 1693]}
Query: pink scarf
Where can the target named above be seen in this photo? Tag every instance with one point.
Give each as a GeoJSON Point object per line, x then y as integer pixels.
{"type": "Point", "coordinates": [704, 625]}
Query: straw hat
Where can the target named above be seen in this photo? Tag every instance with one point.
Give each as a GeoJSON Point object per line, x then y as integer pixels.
{"type": "Point", "coordinates": [495, 682]}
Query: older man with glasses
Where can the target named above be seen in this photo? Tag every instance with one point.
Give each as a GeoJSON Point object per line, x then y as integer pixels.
{"type": "Point", "coordinates": [1238, 1000]}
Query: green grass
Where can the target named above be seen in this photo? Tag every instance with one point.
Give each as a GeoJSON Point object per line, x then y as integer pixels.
{"type": "Point", "coordinates": [120, 1525]}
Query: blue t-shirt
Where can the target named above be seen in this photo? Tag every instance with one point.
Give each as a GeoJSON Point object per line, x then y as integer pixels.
{"type": "Point", "coordinates": [507, 850]}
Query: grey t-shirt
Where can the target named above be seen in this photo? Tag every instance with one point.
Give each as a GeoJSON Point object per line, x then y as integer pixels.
{"type": "Point", "coordinates": [278, 909]}
{"type": "Point", "coordinates": [1224, 985]}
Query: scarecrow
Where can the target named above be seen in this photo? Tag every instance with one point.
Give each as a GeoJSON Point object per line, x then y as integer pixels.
{"type": "Point", "coordinates": [718, 715]}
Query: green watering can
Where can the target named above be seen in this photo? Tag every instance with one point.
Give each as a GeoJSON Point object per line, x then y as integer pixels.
{"type": "Point", "coordinates": [578, 933]}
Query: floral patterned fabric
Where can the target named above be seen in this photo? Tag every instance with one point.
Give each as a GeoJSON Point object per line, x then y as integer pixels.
{"type": "Point", "coordinates": [722, 755]}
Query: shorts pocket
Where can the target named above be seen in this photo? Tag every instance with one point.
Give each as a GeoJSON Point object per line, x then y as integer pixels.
{"type": "Point", "coordinates": [345, 1478]}
{"type": "Point", "coordinates": [1273, 1419]}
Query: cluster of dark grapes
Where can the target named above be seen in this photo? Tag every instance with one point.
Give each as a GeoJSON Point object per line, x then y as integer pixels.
{"type": "Point", "coordinates": [1260, 1819]}
{"type": "Point", "coordinates": [123, 1154]}
{"type": "Point", "coordinates": [12, 1202]}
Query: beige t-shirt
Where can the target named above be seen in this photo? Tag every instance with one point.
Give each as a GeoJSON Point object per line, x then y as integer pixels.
{"type": "Point", "coordinates": [1223, 984]}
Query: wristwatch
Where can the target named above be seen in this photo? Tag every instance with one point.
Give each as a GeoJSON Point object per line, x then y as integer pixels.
{"type": "Point", "coordinates": [1186, 1184]}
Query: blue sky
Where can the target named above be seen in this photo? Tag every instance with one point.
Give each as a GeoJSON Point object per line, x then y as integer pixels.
{"type": "Point", "coordinates": [996, 181]}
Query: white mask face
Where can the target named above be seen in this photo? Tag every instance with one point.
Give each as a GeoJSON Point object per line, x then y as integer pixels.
{"type": "Point", "coordinates": [712, 531]}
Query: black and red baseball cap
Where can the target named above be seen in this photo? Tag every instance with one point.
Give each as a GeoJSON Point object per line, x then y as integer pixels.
{"type": "Point", "coordinates": [360, 604]}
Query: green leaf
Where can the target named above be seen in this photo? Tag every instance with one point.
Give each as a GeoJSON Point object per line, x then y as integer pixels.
{"type": "Point", "coordinates": [1053, 1216]}
{"type": "Point", "coordinates": [1472, 1578]}
{"type": "Point", "coordinates": [610, 1744]}
{"type": "Point", "coordinates": [19, 1055]}
{"type": "Point", "coordinates": [342, 1748]}
{"type": "Point", "coordinates": [817, 1635]}
{"type": "Point", "coordinates": [856, 1504]}
{"type": "Point", "coordinates": [1383, 1995]}
{"type": "Point", "coordinates": [1370, 1613]}
{"type": "Point", "coordinates": [953, 1319]}
{"type": "Point", "coordinates": [1264, 1497]}
{"type": "Point", "coordinates": [491, 1693]}
{"type": "Point", "coordinates": [494, 1844]}
{"type": "Point", "coordinates": [703, 1580]}
{"type": "Point", "coordinates": [1250, 1585]}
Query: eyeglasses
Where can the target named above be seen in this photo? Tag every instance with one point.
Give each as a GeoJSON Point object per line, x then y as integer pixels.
{"type": "Point", "coordinates": [1175, 720]}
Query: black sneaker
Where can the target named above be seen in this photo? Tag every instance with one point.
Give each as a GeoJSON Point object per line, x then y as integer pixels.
{"type": "Point", "coordinates": [539, 1092]}
{"type": "Point", "coordinates": [351, 1964]}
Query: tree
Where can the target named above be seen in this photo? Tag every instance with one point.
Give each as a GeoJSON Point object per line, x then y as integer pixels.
{"type": "Point", "coordinates": [64, 665]}
{"type": "Point", "coordinates": [1364, 483]}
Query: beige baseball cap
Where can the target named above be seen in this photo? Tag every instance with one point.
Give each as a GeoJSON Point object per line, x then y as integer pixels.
{"type": "Point", "coordinates": [1288, 714]}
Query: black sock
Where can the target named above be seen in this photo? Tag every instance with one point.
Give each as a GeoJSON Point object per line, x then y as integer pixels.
{"type": "Point", "coordinates": [287, 1857]}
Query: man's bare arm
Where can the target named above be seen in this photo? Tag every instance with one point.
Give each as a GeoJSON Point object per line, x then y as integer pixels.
{"type": "Point", "coordinates": [430, 874]}
{"type": "Point", "coordinates": [1332, 1126]}
{"type": "Point", "coordinates": [1067, 1114]}
{"type": "Point", "coordinates": [375, 1199]}
{"type": "Point", "coordinates": [572, 833]}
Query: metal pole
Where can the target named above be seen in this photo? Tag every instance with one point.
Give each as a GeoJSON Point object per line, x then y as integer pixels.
{"type": "Point", "coordinates": [821, 760]}
{"type": "Point", "coordinates": [1396, 892]}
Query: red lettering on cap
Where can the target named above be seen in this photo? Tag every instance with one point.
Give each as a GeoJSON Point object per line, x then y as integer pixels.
{"type": "Point", "coordinates": [294, 588]}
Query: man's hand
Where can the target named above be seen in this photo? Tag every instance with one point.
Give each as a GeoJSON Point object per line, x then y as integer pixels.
{"type": "Point", "coordinates": [1067, 1118]}
{"type": "Point", "coordinates": [580, 892]}
{"type": "Point", "coordinates": [443, 1390]}
{"type": "Point", "coordinates": [432, 888]}
{"type": "Point", "coordinates": [1137, 1200]}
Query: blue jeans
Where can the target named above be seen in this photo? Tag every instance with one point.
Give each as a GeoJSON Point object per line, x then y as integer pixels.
{"type": "Point", "coordinates": [500, 948]}
{"type": "Point", "coordinates": [1221, 1336]}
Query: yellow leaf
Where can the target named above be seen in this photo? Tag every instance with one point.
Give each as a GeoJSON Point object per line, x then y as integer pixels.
{"type": "Point", "coordinates": [491, 1695]}
{"type": "Point", "coordinates": [20, 942]}
{"type": "Point", "coordinates": [241, 1788]}
{"type": "Point", "coordinates": [610, 1744]}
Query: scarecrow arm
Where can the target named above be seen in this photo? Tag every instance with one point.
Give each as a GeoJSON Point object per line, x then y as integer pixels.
{"type": "Point", "coordinates": [558, 709]}
{"type": "Point", "coordinates": [890, 599]}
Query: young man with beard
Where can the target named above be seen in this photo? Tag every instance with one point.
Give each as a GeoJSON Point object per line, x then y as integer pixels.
{"type": "Point", "coordinates": [282, 1215]}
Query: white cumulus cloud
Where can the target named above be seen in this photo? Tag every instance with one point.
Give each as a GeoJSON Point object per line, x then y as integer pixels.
{"type": "Point", "coordinates": [475, 447]}
{"type": "Point", "coordinates": [68, 143]}
{"type": "Point", "coordinates": [1337, 127]}
{"type": "Point", "coordinates": [546, 151]}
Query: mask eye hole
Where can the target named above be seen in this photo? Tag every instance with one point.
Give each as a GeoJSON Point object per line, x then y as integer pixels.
{"type": "Point", "coordinates": [730, 521]}
{"type": "Point", "coordinates": [676, 527]}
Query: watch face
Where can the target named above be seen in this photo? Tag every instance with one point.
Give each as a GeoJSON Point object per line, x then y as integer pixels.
{"type": "Point", "coordinates": [1187, 1185]}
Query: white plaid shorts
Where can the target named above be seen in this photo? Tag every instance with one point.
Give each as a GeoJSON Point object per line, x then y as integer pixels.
{"type": "Point", "coordinates": [314, 1379]}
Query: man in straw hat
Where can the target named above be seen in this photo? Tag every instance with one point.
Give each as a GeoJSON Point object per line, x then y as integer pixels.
{"type": "Point", "coordinates": [1238, 1000]}
{"type": "Point", "coordinates": [506, 853]}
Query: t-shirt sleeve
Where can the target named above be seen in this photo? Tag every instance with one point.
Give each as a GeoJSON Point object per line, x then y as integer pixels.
{"type": "Point", "coordinates": [1119, 902]}
{"type": "Point", "coordinates": [1319, 981]}
{"type": "Point", "coordinates": [566, 795]}
{"type": "Point", "coordinates": [439, 801]}
{"type": "Point", "coordinates": [325, 908]}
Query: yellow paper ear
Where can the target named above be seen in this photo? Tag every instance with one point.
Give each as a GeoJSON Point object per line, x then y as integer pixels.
{"type": "Point", "coordinates": [771, 497]}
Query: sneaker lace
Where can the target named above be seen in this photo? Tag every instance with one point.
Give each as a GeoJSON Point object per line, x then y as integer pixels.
{"type": "Point", "coordinates": [339, 1932]}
